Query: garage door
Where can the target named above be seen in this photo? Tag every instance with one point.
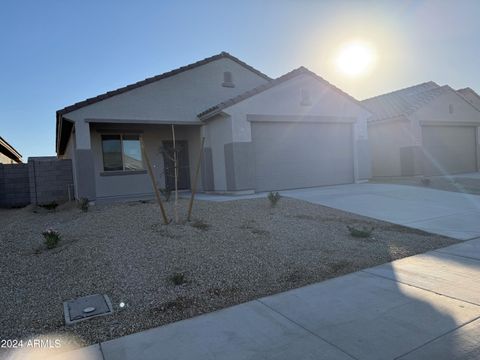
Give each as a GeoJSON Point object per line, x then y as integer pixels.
{"type": "Point", "coordinates": [297, 155]}
{"type": "Point", "coordinates": [449, 149]}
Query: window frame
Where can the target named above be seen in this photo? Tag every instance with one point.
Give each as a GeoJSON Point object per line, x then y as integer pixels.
{"type": "Point", "coordinates": [123, 171]}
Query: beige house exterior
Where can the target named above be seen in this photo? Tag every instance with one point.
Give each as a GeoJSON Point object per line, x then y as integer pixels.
{"type": "Point", "coordinates": [425, 129]}
{"type": "Point", "coordinates": [260, 134]}
{"type": "Point", "coordinates": [8, 154]}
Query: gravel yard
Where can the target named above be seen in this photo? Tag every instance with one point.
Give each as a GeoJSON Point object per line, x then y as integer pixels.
{"type": "Point", "coordinates": [231, 253]}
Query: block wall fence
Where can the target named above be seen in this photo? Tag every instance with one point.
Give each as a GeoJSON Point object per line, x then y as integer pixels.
{"type": "Point", "coordinates": [41, 181]}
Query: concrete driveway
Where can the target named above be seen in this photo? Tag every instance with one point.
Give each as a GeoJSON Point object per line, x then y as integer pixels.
{"type": "Point", "coordinates": [475, 175]}
{"type": "Point", "coordinates": [441, 212]}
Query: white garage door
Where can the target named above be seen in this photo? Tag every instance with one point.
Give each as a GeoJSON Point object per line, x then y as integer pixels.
{"type": "Point", "coordinates": [449, 149]}
{"type": "Point", "coordinates": [297, 155]}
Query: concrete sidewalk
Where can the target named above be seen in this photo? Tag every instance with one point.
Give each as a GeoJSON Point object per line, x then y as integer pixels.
{"type": "Point", "coordinates": [422, 307]}
{"type": "Point", "coordinates": [448, 213]}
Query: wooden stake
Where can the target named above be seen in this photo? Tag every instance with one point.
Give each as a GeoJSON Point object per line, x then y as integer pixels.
{"type": "Point", "coordinates": [154, 183]}
{"type": "Point", "coordinates": [175, 206]}
{"type": "Point", "coordinates": [194, 186]}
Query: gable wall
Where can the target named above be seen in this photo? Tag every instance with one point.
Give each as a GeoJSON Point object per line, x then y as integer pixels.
{"type": "Point", "coordinates": [471, 97]}
{"type": "Point", "coordinates": [177, 98]}
{"type": "Point", "coordinates": [386, 141]}
{"type": "Point", "coordinates": [285, 99]}
{"type": "Point", "coordinates": [438, 110]}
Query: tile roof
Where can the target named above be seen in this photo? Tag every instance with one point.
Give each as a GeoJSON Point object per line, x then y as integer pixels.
{"type": "Point", "coordinates": [93, 100]}
{"type": "Point", "coordinates": [296, 72]}
{"type": "Point", "coordinates": [152, 79]}
{"type": "Point", "coordinates": [404, 101]}
{"type": "Point", "coordinates": [470, 96]}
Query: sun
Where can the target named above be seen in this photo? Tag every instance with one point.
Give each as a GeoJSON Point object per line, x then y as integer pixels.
{"type": "Point", "coordinates": [355, 58]}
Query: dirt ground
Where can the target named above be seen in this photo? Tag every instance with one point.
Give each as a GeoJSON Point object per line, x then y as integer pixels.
{"type": "Point", "coordinates": [230, 253]}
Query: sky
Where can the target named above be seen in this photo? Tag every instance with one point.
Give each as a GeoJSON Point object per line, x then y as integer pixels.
{"type": "Point", "coordinates": [54, 53]}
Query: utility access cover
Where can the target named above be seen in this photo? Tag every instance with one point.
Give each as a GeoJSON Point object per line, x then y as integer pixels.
{"type": "Point", "coordinates": [86, 307]}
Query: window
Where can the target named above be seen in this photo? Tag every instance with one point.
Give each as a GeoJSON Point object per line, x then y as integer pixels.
{"type": "Point", "coordinates": [121, 153]}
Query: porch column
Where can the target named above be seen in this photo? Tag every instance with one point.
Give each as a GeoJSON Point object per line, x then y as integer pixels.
{"type": "Point", "coordinates": [84, 168]}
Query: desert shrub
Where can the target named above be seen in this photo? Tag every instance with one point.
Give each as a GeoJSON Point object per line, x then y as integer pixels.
{"type": "Point", "coordinates": [426, 181]}
{"type": "Point", "coordinates": [83, 204]}
{"type": "Point", "coordinates": [51, 206]}
{"type": "Point", "coordinates": [273, 197]}
{"type": "Point", "coordinates": [166, 193]}
{"type": "Point", "coordinates": [363, 232]}
{"type": "Point", "coordinates": [201, 225]}
{"type": "Point", "coordinates": [179, 304]}
{"type": "Point", "coordinates": [178, 279]}
{"type": "Point", "coordinates": [51, 238]}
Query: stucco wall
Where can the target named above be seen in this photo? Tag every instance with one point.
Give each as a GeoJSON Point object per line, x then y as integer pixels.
{"type": "Point", "coordinates": [386, 141]}
{"type": "Point", "coordinates": [177, 98]}
{"type": "Point", "coordinates": [117, 187]}
{"type": "Point", "coordinates": [218, 133]}
{"type": "Point", "coordinates": [5, 159]}
{"type": "Point", "coordinates": [70, 154]}
{"type": "Point", "coordinates": [472, 97]}
{"type": "Point", "coordinates": [286, 100]}
{"type": "Point", "coordinates": [438, 110]}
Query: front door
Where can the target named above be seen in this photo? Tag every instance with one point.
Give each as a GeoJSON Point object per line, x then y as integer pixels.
{"type": "Point", "coordinates": [183, 181]}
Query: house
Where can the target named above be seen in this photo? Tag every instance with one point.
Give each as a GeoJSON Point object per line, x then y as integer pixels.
{"type": "Point", "coordinates": [8, 154]}
{"type": "Point", "coordinates": [425, 129]}
{"type": "Point", "coordinates": [260, 134]}
{"type": "Point", "coordinates": [471, 96]}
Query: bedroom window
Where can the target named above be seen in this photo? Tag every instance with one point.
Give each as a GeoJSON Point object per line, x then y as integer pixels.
{"type": "Point", "coordinates": [121, 153]}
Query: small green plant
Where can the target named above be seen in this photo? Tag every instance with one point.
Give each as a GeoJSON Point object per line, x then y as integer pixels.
{"type": "Point", "coordinates": [178, 279]}
{"type": "Point", "coordinates": [364, 232]}
{"type": "Point", "coordinates": [166, 193]}
{"type": "Point", "coordinates": [83, 204]}
{"type": "Point", "coordinates": [273, 197]}
{"type": "Point", "coordinates": [51, 238]}
{"type": "Point", "coordinates": [201, 225]}
{"type": "Point", "coordinates": [51, 206]}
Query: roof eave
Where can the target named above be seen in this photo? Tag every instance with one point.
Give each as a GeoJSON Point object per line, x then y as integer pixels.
{"type": "Point", "coordinates": [265, 87]}
{"type": "Point", "coordinates": [121, 90]}
{"type": "Point", "coordinates": [15, 154]}
{"type": "Point", "coordinates": [204, 117]}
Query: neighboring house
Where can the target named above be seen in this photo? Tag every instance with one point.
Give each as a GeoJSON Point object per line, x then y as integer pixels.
{"type": "Point", "coordinates": [471, 96]}
{"type": "Point", "coordinates": [260, 134]}
{"type": "Point", "coordinates": [8, 154]}
{"type": "Point", "coordinates": [425, 129]}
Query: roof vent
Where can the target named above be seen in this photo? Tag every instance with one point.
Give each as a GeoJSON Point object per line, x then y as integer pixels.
{"type": "Point", "coordinates": [305, 98]}
{"type": "Point", "coordinates": [228, 80]}
{"type": "Point", "coordinates": [450, 109]}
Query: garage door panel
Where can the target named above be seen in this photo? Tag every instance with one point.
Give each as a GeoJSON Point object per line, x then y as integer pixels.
{"type": "Point", "coordinates": [295, 155]}
{"type": "Point", "coordinates": [449, 149]}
